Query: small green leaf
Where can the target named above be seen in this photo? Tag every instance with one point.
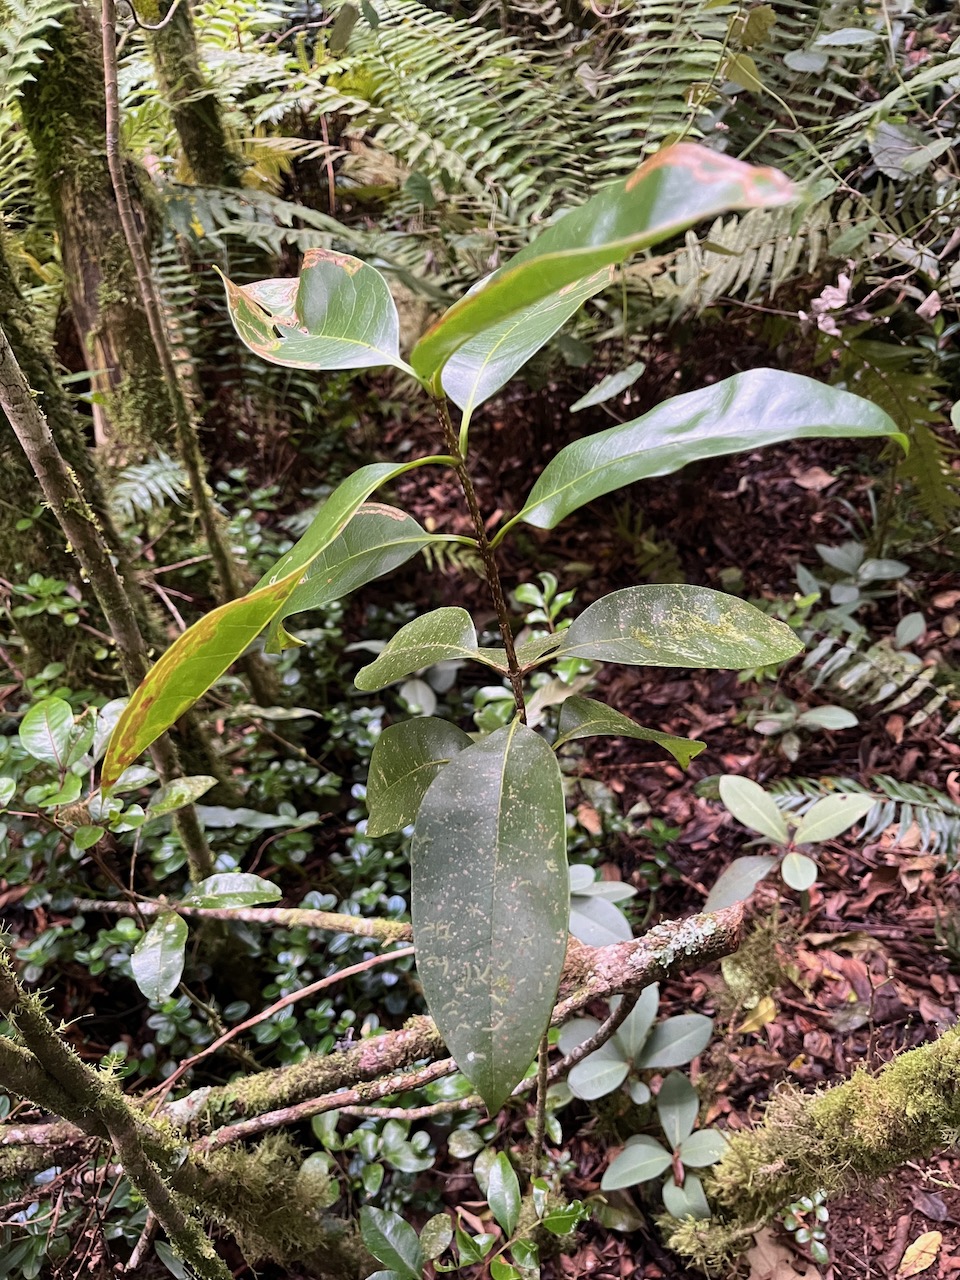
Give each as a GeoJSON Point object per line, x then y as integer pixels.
{"type": "Point", "coordinates": [433, 637]}
{"type": "Point", "coordinates": [587, 718]}
{"type": "Point", "coordinates": [676, 1042]}
{"type": "Point", "coordinates": [738, 881]}
{"type": "Point", "coordinates": [705, 1147]}
{"type": "Point", "coordinates": [406, 758]}
{"type": "Point", "coordinates": [827, 718]}
{"type": "Point", "coordinates": [157, 961]}
{"type": "Point", "coordinates": [799, 871]}
{"type": "Point", "coordinates": [502, 1270]}
{"type": "Point", "coordinates": [337, 315]}
{"type": "Point", "coordinates": [635, 1028]}
{"type": "Point", "coordinates": [491, 903]}
{"type": "Point", "coordinates": [759, 407]}
{"type": "Point", "coordinates": [464, 1143]}
{"type": "Point", "coordinates": [174, 795]}
{"type": "Point", "coordinates": [610, 386]}
{"type": "Point", "coordinates": [87, 837]}
{"type": "Point", "coordinates": [742, 70]}
{"type": "Point", "coordinates": [641, 1160]}
{"type": "Point", "coordinates": [560, 1222]}
{"type": "Point", "coordinates": [232, 889]}
{"type": "Point", "coordinates": [677, 626]}
{"type": "Point", "coordinates": [598, 923]}
{"type": "Point", "coordinates": [677, 1107]}
{"type": "Point", "coordinates": [639, 1092]}
{"type": "Point", "coordinates": [377, 540]}
{"type": "Point", "coordinates": [600, 1073]}
{"type": "Point", "coordinates": [392, 1241]}
{"type": "Point", "coordinates": [687, 1201]}
{"type": "Point", "coordinates": [831, 816]}
{"type": "Point", "coordinates": [750, 804]}
{"type": "Point", "coordinates": [8, 789]}
{"type": "Point", "coordinates": [46, 731]}
{"type": "Point", "coordinates": [671, 191]}
{"type": "Point", "coordinates": [574, 1032]}
{"type": "Point", "coordinates": [503, 1194]}
{"type": "Point", "coordinates": [436, 1235]}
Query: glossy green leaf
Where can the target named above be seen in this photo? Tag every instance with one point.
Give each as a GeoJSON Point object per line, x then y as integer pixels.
{"type": "Point", "coordinates": [436, 1235]}
{"type": "Point", "coordinates": [759, 407]}
{"type": "Point", "coordinates": [433, 637]}
{"type": "Point", "coordinates": [636, 1027]}
{"type": "Point", "coordinates": [677, 1108]}
{"type": "Point", "coordinates": [174, 795]}
{"type": "Point", "coordinates": [406, 758]}
{"type": "Point", "coordinates": [46, 731]}
{"type": "Point", "coordinates": [687, 1201]}
{"type": "Point", "coordinates": [738, 881]}
{"type": "Point", "coordinates": [500, 1269]}
{"type": "Point", "coordinates": [158, 958]}
{"type": "Point", "coordinates": [491, 904]}
{"type": "Point", "coordinates": [599, 1073]}
{"type": "Point", "coordinates": [377, 540]}
{"type": "Point", "coordinates": [676, 1041]}
{"type": "Point", "coordinates": [203, 652]}
{"type": "Point", "coordinates": [799, 871]}
{"type": "Point", "coordinates": [87, 836]}
{"type": "Point", "coordinates": [489, 359]}
{"type": "Point", "coordinates": [392, 1241]}
{"type": "Point", "coordinates": [703, 1148]}
{"type": "Point", "coordinates": [610, 386]}
{"type": "Point", "coordinates": [337, 315]}
{"type": "Point", "coordinates": [640, 1160]}
{"type": "Point", "coordinates": [232, 889]}
{"type": "Point", "coordinates": [8, 789]}
{"type": "Point", "coordinates": [503, 1194]}
{"type": "Point", "coordinates": [587, 718]}
{"type": "Point", "coordinates": [831, 816]}
{"type": "Point", "coordinates": [677, 626]}
{"type": "Point", "coordinates": [561, 1221]}
{"type": "Point", "coordinates": [671, 191]}
{"type": "Point", "coordinates": [750, 804]}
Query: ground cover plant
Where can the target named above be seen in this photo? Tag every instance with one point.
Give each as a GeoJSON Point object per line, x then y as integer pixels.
{"type": "Point", "coordinates": [417, 883]}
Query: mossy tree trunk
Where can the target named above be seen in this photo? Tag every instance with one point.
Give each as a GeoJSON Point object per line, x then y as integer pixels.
{"type": "Point", "coordinates": [193, 104]}
{"type": "Point", "coordinates": [28, 545]}
{"type": "Point", "coordinates": [63, 110]}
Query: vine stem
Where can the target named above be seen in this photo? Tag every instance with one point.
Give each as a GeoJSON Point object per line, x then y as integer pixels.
{"type": "Point", "coordinates": [492, 572]}
{"type": "Point", "coordinates": [490, 568]}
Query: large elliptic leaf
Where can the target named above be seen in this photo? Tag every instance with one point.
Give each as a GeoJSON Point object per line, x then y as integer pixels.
{"type": "Point", "coordinates": [599, 1073]}
{"type": "Point", "coordinates": [671, 191]}
{"type": "Point", "coordinates": [489, 359]}
{"type": "Point", "coordinates": [831, 816]}
{"type": "Point", "coordinates": [751, 805]}
{"type": "Point", "coordinates": [760, 407]}
{"type": "Point", "coordinates": [677, 1107]}
{"type": "Point", "coordinates": [491, 903]}
{"type": "Point", "coordinates": [406, 759]}
{"type": "Point", "coordinates": [204, 651]}
{"type": "Point", "coordinates": [587, 718]}
{"type": "Point", "coordinates": [677, 626]}
{"type": "Point", "coordinates": [676, 1042]}
{"type": "Point", "coordinates": [378, 539]}
{"type": "Point", "coordinates": [433, 637]}
{"type": "Point", "coordinates": [337, 315]}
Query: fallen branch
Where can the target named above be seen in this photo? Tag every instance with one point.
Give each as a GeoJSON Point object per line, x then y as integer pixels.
{"type": "Point", "coordinates": [856, 1132]}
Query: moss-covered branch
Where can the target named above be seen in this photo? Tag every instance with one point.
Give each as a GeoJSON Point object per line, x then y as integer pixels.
{"type": "Point", "coordinates": [853, 1133]}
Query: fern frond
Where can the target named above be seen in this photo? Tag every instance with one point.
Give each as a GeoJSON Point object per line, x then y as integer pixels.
{"type": "Point", "coordinates": [914, 809]}
{"type": "Point", "coordinates": [145, 488]}
{"type": "Point", "coordinates": [23, 38]}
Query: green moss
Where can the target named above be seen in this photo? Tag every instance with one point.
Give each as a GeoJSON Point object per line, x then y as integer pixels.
{"type": "Point", "coordinates": [855, 1133]}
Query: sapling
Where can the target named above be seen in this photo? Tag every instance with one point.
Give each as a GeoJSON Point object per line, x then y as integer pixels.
{"type": "Point", "coordinates": [490, 888]}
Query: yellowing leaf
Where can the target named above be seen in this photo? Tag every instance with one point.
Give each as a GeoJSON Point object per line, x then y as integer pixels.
{"type": "Point", "coordinates": [920, 1255]}
{"type": "Point", "coordinates": [764, 1012]}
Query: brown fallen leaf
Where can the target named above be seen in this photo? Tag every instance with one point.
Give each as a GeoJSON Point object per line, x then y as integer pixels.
{"type": "Point", "coordinates": [946, 599]}
{"type": "Point", "coordinates": [814, 479]}
{"type": "Point", "coordinates": [769, 1260]}
{"type": "Point", "coordinates": [920, 1255]}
